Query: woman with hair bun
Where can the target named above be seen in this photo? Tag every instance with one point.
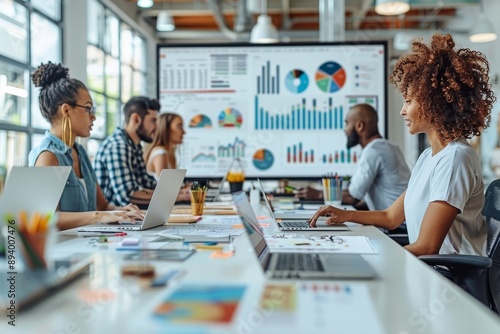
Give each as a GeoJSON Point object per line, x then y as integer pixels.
{"type": "Point", "coordinates": [448, 98]}
{"type": "Point", "coordinates": [66, 103]}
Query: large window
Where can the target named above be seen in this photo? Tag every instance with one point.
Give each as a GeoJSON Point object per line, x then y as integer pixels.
{"type": "Point", "coordinates": [116, 68]}
{"type": "Point", "coordinates": [30, 34]}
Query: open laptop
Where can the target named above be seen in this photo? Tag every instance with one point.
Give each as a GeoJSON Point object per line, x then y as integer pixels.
{"type": "Point", "coordinates": [33, 189]}
{"type": "Point", "coordinates": [159, 209]}
{"type": "Point", "coordinates": [297, 220]}
{"type": "Point", "coordinates": [299, 265]}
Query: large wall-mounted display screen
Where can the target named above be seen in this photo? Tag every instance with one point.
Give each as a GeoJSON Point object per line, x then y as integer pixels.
{"type": "Point", "coordinates": [279, 108]}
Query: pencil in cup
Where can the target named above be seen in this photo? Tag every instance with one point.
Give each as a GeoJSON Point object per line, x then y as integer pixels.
{"type": "Point", "coordinates": [33, 233]}
{"type": "Point", "coordinates": [197, 201]}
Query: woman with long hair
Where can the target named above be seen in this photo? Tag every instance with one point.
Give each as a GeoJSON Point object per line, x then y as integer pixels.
{"type": "Point", "coordinates": [161, 152]}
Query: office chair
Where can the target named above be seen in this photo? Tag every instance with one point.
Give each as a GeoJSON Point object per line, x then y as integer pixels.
{"type": "Point", "coordinates": [479, 275]}
{"type": "Point", "coordinates": [399, 235]}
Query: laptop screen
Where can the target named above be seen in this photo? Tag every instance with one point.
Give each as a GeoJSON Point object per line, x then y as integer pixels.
{"type": "Point", "coordinates": [252, 226]}
{"type": "Point", "coordinates": [268, 204]}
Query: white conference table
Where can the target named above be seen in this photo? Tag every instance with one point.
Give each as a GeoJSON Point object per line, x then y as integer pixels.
{"type": "Point", "coordinates": [406, 297]}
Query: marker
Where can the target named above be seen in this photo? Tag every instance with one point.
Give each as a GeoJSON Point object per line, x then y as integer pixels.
{"type": "Point", "coordinates": [100, 234]}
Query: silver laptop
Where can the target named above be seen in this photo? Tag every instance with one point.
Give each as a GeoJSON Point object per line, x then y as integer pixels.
{"type": "Point", "coordinates": [159, 209]}
{"type": "Point", "coordinates": [33, 189]}
{"type": "Point", "coordinates": [297, 220]}
{"type": "Point", "coordinates": [299, 265]}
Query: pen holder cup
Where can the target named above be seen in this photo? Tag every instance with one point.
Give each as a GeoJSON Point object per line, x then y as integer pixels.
{"type": "Point", "coordinates": [332, 191]}
{"type": "Point", "coordinates": [33, 249]}
{"type": "Point", "coordinates": [27, 240]}
{"type": "Point", "coordinates": [197, 201]}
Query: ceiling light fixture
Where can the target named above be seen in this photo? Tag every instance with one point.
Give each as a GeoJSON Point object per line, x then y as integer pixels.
{"type": "Point", "coordinates": [164, 22]}
{"type": "Point", "coordinates": [264, 31]}
{"type": "Point", "coordinates": [392, 7]}
{"type": "Point", "coordinates": [145, 3]}
{"type": "Point", "coordinates": [483, 30]}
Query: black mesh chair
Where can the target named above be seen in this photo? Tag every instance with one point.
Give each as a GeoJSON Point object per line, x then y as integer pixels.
{"type": "Point", "coordinates": [479, 275]}
{"type": "Point", "coordinates": [399, 235]}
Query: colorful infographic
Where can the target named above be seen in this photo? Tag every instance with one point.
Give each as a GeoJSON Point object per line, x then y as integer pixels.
{"type": "Point", "coordinates": [296, 81]}
{"type": "Point", "coordinates": [200, 121]}
{"type": "Point", "coordinates": [330, 77]}
{"type": "Point", "coordinates": [263, 159]}
{"type": "Point", "coordinates": [236, 149]}
{"type": "Point", "coordinates": [200, 304]}
{"type": "Point", "coordinates": [230, 118]}
{"type": "Point", "coordinates": [279, 109]}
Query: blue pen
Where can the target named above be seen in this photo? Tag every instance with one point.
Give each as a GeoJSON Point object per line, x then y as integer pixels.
{"type": "Point", "coordinates": [163, 280]}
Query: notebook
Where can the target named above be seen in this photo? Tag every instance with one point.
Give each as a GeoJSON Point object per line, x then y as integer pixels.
{"type": "Point", "coordinates": [159, 209]}
{"type": "Point", "coordinates": [298, 265]}
{"type": "Point", "coordinates": [33, 189]}
{"type": "Point", "coordinates": [293, 220]}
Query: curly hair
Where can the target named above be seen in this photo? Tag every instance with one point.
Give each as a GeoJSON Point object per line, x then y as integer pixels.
{"type": "Point", "coordinates": [56, 88]}
{"type": "Point", "coordinates": [451, 86]}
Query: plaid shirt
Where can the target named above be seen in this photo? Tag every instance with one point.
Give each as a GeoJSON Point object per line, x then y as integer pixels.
{"type": "Point", "coordinates": [120, 169]}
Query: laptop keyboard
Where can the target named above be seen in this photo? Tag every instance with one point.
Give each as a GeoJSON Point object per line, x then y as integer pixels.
{"type": "Point", "coordinates": [296, 224]}
{"type": "Point", "coordinates": [299, 262]}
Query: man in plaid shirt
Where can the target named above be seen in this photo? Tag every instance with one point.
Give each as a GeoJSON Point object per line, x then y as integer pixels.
{"type": "Point", "coordinates": [119, 163]}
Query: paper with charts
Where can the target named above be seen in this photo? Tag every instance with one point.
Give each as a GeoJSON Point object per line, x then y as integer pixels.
{"type": "Point", "coordinates": [323, 307]}
{"type": "Point", "coordinates": [195, 308]}
{"type": "Point", "coordinates": [326, 243]}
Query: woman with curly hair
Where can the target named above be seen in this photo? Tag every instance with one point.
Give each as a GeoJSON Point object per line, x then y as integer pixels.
{"type": "Point", "coordinates": [447, 97]}
{"type": "Point", "coordinates": [66, 103]}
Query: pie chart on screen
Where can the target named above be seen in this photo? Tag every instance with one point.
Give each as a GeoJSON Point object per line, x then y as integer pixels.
{"type": "Point", "coordinates": [330, 77]}
{"type": "Point", "coordinates": [230, 118]}
{"type": "Point", "coordinates": [296, 81]}
{"type": "Point", "coordinates": [263, 159]}
{"type": "Point", "coordinates": [200, 121]}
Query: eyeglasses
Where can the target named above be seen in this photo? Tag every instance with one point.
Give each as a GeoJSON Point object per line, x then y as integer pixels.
{"type": "Point", "coordinates": [332, 238]}
{"type": "Point", "coordinates": [90, 110]}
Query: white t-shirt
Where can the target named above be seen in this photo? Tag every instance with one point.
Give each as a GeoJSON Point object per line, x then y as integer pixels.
{"type": "Point", "coordinates": [381, 175]}
{"type": "Point", "coordinates": [453, 175]}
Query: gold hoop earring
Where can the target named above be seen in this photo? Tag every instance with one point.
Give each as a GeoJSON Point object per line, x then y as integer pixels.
{"type": "Point", "coordinates": [67, 132]}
